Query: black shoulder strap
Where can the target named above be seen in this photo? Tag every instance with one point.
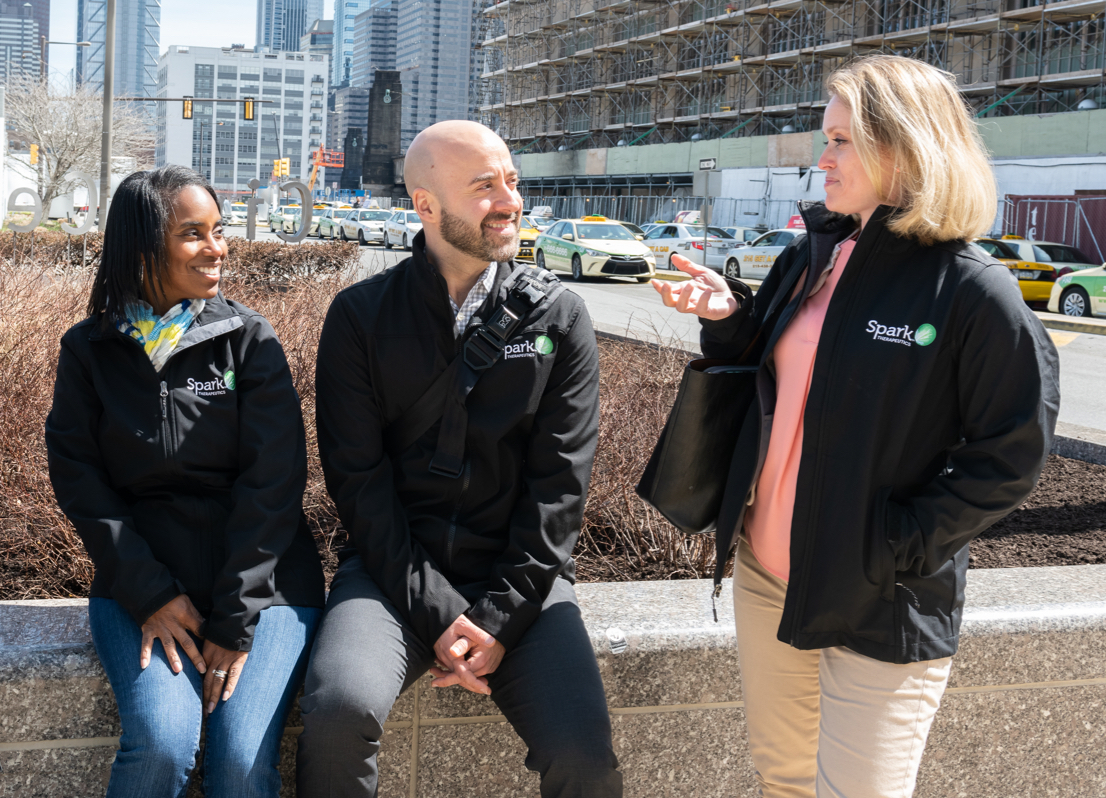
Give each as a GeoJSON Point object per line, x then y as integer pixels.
{"type": "Point", "coordinates": [526, 288]}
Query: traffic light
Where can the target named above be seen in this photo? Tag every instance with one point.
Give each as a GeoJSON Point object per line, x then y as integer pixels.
{"type": "Point", "coordinates": [285, 167]}
{"type": "Point", "coordinates": [276, 167]}
{"type": "Point", "coordinates": [34, 153]}
{"type": "Point", "coordinates": [247, 109]}
{"type": "Point", "coordinates": [187, 107]}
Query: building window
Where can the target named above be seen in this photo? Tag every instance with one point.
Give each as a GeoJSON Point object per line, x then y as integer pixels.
{"type": "Point", "coordinates": [272, 75]}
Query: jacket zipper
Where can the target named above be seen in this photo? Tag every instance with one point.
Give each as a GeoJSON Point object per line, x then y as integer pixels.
{"type": "Point", "coordinates": [465, 475]}
{"type": "Point", "coordinates": [165, 419]}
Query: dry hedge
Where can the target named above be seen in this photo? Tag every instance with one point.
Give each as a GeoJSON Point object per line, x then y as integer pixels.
{"type": "Point", "coordinates": [41, 556]}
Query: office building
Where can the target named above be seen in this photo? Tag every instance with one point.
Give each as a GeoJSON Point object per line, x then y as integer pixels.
{"type": "Point", "coordinates": [218, 141]}
{"type": "Point", "coordinates": [282, 23]}
{"type": "Point", "coordinates": [19, 40]}
{"type": "Point", "coordinates": [319, 38]}
{"type": "Point", "coordinates": [137, 39]}
{"type": "Point", "coordinates": [345, 12]}
{"type": "Point", "coordinates": [436, 58]}
{"type": "Point", "coordinates": [374, 42]}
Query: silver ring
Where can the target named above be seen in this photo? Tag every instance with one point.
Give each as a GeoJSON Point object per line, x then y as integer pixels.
{"type": "Point", "coordinates": [219, 674]}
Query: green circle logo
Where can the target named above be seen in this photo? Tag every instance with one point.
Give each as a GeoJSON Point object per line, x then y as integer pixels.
{"type": "Point", "coordinates": [544, 345]}
{"type": "Point", "coordinates": [228, 378]}
{"type": "Point", "coordinates": [925, 335]}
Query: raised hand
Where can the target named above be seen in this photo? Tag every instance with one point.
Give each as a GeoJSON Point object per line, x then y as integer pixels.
{"type": "Point", "coordinates": [173, 622]}
{"type": "Point", "coordinates": [705, 294]}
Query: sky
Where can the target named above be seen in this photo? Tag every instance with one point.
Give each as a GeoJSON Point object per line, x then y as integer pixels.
{"type": "Point", "coordinates": [197, 23]}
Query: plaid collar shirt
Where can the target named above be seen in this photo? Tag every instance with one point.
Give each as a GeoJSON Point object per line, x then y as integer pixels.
{"type": "Point", "coordinates": [463, 315]}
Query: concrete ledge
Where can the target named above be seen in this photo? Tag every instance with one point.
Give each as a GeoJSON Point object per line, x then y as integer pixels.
{"type": "Point", "coordinates": [1085, 324]}
{"type": "Point", "coordinates": [1025, 713]}
{"type": "Point", "coordinates": [1080, 443]}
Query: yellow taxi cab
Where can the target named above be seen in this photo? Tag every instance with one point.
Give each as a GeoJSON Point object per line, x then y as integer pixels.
{"type": "Point", "coordinates": [1034, 279]}
{"type": "Point", "coordinates": [527, 236]}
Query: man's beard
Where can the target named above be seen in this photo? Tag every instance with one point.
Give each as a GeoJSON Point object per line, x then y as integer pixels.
{"type": "Point", "coordinates": [471, 240]}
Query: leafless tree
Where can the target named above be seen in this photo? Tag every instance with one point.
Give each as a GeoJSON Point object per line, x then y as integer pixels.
{"type": "Point", "coordinates": [67, 126]}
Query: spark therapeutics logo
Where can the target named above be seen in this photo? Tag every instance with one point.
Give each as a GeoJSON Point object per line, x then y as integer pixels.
{"type": "Point", "coordinates": [904, 335]}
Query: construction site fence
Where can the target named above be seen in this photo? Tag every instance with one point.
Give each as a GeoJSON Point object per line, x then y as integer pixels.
{"type": "Point", "coordinates": [1079, 222]}
{"type": "Point", "coordinates": [726, 212]}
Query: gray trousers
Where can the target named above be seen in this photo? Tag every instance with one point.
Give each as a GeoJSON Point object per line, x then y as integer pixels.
{"type": "Point", "coordinates": [365, 654]}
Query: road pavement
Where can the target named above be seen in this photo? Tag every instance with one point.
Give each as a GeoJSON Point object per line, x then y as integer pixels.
{"type": "Point", "coordinates": [623, 307]}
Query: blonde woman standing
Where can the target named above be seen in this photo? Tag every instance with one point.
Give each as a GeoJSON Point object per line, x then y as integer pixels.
{"type": "Point", "coordinates": [907, 400]}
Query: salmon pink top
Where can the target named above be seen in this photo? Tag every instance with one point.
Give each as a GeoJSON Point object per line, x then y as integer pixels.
{"type": "Point", "coordinates": [768, 519]}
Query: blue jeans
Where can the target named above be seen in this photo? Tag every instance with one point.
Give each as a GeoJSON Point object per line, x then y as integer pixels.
{"type": "Point", "coordinates": [161, 711]}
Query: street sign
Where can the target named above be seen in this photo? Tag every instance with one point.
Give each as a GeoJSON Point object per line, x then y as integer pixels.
{"type": "Point", "coordinates": [706, 164]}
{"type": "Point", "coordinates": [706, 183]}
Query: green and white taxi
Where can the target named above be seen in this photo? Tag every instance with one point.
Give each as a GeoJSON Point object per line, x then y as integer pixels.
{"type": "Point", "coordinates": [594, 246]}
{"type": "Point", "coordinates": [1081, 293]}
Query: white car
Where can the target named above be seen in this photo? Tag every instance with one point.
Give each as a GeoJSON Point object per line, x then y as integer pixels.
{"type": "Point", "coordinates": [237, 213]}
{"type": "Point", "coordinates": [364, 225]}
{"type": "Point", "coordinates": [756, 259]}
{"type": "Point", "coordinates": [666, 240]}
{"type": "Point", "coordinates": [401, 228]}
{"type": "Point", "coordinates": [746, 234]}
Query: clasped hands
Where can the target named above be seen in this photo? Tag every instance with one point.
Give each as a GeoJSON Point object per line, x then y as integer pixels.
{"type": "Point", "coordinates": [464, 655]}
{"type": "Point", "coordinates": [177, 622]}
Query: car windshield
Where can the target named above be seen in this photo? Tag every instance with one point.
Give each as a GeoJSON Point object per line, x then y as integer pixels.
{"type": "Point", "coordinates": [997, 249]}
{"type": "Point", "coordinates": [525, 224]}
{"type": "Point", "coordinates": [413, 218]}
{"type": "Point", "coordinates": [292, 212]}
{"type": "Point", "coordinates": [1055, 253]}
{"type": "Point", "coordinates": [633, 228]}
{"type": "Point", "coordinates": [375, 216]}
{"type": "Point", "coordinates": [341, 214]}
{"type": "Point", "coordinates": [604, 232]}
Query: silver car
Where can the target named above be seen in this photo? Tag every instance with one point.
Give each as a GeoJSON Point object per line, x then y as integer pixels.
{"type": "Point", "coordinates": [401, 227]}
{"type": "Point", "coordinates": [364, 225]}
{"type": "Point", "coordinates": [756, 259]}
{"type": "Point", "coordinates": [666, 240]}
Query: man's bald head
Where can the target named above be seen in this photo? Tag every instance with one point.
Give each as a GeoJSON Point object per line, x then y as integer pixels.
{"type": "Point", "coordinates": [443, 147]}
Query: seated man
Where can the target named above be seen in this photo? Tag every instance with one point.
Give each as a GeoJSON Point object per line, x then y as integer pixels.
{"type": "Point", "coordinates": [462, 524]}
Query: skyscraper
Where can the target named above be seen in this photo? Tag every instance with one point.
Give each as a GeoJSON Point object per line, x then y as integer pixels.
{"type": "Point", "coordinates": [374, 42]}
{"type": "Point", "coordinates": [319, 38]}
{"type": "Point", "coordinates": [345, 11]}
{"type": "Point", "coordinates": [19, 40]}
{"type": "Point", "coordinates": [137, 38]}
{"type": "Point", "coordinates": [281, 23]}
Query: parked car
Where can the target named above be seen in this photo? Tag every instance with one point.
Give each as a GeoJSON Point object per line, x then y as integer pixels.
{"type": "Point", "coordinates": [364, 225]}
{"type": "Point", "coordinates": [755, 260]}
{"type": "Point", "coordinates": [1034, 279]}
{"type": "Point", "coordinates": [330, 220]}
{"type": "Point", "coordinates": [633, 228]}
{"type": "Point", "coordinates": [285, 219]}
{"type": "Point", "coordinates": [1064, 259]}
{"type": "Point", "coordinates": [237, 214]}
{"type": "Point", "coordinates": [1081, 293]}
{"type": "Point", "coordinates": [746, 234]}
{"type": "Point", "coordinates": [594, 246]}
{"type": "Point", "coordinates": [666, 240]}
{"type": "Point", "coordinates": [528, 233]}
{"type": "Point", "coordinates": [401, 227]}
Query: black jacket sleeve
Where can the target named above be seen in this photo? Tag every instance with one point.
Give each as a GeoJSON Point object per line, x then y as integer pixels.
{"type": "Point", "coordinates": [267, 495]}
{"type": "Point", "coordinates": [359, 479]}
{"type": "Point", "coordinates": [1009, 397]}
{"type": "Point", "coordinates": [729, 338]}
{"type": "Point", "coordinates": [85, 493]}
{"type": "Point", "coordinates": [546, 519]}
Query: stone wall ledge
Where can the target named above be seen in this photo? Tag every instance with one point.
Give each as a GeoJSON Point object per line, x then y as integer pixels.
{"type": "Point", "coordinates": [1025, 713]}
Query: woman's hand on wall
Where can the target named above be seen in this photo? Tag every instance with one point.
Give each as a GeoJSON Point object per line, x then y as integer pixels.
{"type": "Point", "coordinates": [173, 622]}
{"type": "Point", "coordinates": [224, 670]}
{"type": "Point", "coordinates": [705, 294]}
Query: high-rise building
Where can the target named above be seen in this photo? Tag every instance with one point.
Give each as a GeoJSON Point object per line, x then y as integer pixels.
{"type": "Point", "coordinates": [218, 142]}
{"type": "Point", "coordinates": [19, 40]}
{"type": "Point", "coordinates": [345, 12]}
{"type": "Point", "coordinates": [435, 56]}
{"type": "Point", "coordinates": [374, 42]}
{"type": "Point", "coordinates": [319, 38]}
{"type": "Point", "coordinates": [349, 110]}
{"type": "Point", "coordinates": [282, 23]}
{"type": "Point", "coordinates": [137, 39]}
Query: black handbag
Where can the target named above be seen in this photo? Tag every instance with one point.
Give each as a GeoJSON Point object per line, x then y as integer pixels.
{"type": "Point", "coordinates": [687, 472]}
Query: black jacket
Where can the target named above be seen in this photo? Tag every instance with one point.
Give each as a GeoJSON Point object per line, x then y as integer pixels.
{"type": "Point", "coordinates": [491, 542]}
{"type": "Point", "coordinates": [189, 480]}
{"type": "Point", "coordinates": [931, 410]}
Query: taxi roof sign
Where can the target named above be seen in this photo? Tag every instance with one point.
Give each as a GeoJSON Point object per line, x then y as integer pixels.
{"type": "Point", "coordinates": [1011, 237]}
{"type": "Point", "coordinates": [796, 223]}
{"type": "Point", "coordinates": [593, 219]}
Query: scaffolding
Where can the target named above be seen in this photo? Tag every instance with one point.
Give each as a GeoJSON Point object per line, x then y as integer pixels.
{"type": "Point", "coordinates": [558, 74]}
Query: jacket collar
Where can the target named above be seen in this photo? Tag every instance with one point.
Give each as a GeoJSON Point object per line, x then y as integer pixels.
{"type": "Point", "coordinates": [215, 310]}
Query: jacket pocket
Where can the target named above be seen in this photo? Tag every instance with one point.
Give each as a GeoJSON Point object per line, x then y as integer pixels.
{"type": "Point", "coordinates": [879, 564]}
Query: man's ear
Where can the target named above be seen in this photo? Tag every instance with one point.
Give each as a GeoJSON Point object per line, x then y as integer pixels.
{"type": "Point", "coordinates": [426, 205]}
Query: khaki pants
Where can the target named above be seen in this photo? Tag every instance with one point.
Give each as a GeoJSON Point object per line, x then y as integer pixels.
{"type": "Point", "coordinates": [829, 723]}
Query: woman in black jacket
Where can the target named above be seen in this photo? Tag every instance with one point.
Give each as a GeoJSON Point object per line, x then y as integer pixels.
{"type": "Point", "coordinates": [176, 448]}
{"type": "Point", "coordinates": [906, 401]}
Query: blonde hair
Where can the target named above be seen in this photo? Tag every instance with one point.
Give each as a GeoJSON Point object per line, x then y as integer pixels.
{"type": "Point", "coordinates": [908, 115]}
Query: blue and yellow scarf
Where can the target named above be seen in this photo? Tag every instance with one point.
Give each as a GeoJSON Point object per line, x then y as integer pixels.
{"type": "Point", "coordinates": [159, 336]}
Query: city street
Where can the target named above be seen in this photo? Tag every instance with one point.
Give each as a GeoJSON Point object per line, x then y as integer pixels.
{"type": "Point", "coordinates": [623, 307]}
